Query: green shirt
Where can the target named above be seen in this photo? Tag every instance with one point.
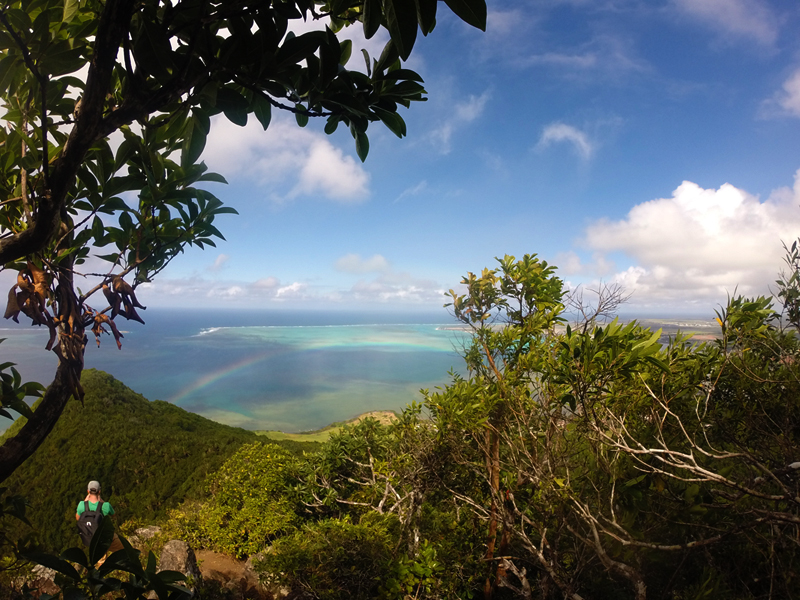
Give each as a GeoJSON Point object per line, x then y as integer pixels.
{"type": "Point", "coordinates": [107, 508]}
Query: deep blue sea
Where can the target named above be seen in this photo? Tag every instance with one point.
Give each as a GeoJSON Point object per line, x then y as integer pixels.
{"type": "Point", "coordinates": [285, 370]}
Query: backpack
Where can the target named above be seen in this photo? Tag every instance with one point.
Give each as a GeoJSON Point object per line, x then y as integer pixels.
{"type": "Point", "coordinates": [89, 521]}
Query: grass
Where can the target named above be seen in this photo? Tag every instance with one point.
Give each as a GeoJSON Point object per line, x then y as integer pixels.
{"type": "Point", "coordinates": [322, 435]}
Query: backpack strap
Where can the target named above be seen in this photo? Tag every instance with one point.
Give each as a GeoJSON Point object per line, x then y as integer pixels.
{"type": "Point", "coordinates": [99, 508]}
{"type": "Point", "coordinates": [85, 506]}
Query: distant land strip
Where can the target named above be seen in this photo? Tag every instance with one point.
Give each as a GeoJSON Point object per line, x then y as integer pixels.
{"type": "Point", "coordinates": [322, 435]}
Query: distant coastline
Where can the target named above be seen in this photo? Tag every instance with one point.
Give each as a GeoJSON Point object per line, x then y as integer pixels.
{"type": "Point", "coordinates": [321, 435]}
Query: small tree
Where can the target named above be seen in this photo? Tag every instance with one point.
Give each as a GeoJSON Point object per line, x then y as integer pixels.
{"type": "Point", "coordinates": [72, 72]}
{"type": "Point", "coordinates": [603, 455]}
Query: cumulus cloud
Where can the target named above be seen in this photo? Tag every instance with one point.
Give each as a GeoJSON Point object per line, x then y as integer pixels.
{"type": "Point", "coordinates": [700, 244]}
{"type": "Point", "coordinates": [198, 291]}
{"type": "Point", "coordinates": [395, 288]}
{"type": "Point", "coordinates": [751, 19]}
{"type": "Point", "coordinates": [376, 284]}
{"type": "Point", "coordinates": [462, 114]}
{"type": "Point", "coordinates": [353, 263]}
{"type": "Point", "coordinates": [561, 132]}
{"type": "Point", "coordinates": [787, 101]}
{"type": "Point", "coordinates": [285, 156]}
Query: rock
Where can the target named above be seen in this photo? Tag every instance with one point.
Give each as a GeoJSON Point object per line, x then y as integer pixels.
{"type": "Point", "coordinates": [143, 533]}
{"type": "Point", "coordinates": [179, 556]}
{"type": "Point", "coordinates": [41, 579]}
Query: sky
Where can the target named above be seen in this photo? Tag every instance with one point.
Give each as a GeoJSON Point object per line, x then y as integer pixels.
{"type": "Point", "coordinates": [650, 143]}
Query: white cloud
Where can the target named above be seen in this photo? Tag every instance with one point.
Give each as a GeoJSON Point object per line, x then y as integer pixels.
{"type": "Point", "coordinates": [789, 98]}
{"type": "Point", "coordinates": [396, 288]}
{"type": "Point", "coordinates": [561, 132]}
{"type": "Point", "coordinates": [285, 155]}
{"type": "Point", "coordinates": [219, 263]}
{"type": "Point", "coordinates": [556, 59]}
{"type": "Point", "coordinates": [293, 291]}
{"type": "Point", "coordinates": [751, 19]}
{"type": "Point", "coordinates": [385, 286]}
{"type": "Point", "coordinates": [700, 244]}
{"type": "Point", "coordinates": [327, 171]}
{"type": "Point", "coordinates": [413, 190]}
{"type": "Point", "coordinates": [353, 263]}
{"type": "Point", "coordinates": [268, 283]}
{"type": "Point", "coordinates": [462, 114]}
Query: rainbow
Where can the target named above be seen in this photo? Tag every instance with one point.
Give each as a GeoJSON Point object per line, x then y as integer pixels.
{"type": "Point", "coordinates": [214, 376]}
{"type": "Point", "coordinates": [314, 343]}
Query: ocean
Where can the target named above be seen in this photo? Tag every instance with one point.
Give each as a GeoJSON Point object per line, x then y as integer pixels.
{"type": "Point", "coordinates": [282, 370]}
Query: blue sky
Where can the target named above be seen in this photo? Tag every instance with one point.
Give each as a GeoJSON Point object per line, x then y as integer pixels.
{"type": "Point", "coordinates": [655, 144]}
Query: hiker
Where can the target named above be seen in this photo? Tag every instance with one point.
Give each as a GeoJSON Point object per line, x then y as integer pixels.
{"type": "Point", "coordinates": [89, 514]}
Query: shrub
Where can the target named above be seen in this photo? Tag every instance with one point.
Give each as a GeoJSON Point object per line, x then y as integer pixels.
{"type": "Point", "coordinates": [246, 508]}
{"type": "Point", "coordinates": [333, 559]}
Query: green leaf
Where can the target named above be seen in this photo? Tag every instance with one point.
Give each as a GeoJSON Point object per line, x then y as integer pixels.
{"type": "Point", "coordinates": [233, 104]}
{"type": "Point", "coordinates": [472, 12]}
{"type": "Point", "coordinates": [298, 48]}
{"type": "Point", "coordinates": [406, 74]}
{"type": "Point", "coordinates": [216, 177]}
{"type": "Point", "coordinates": [112, 258]}
{"type": "Point", "coordinates": [371, 18]}
{"type": "Point", "coordinates": [301, 117]}
{"type": "Point", "coordinates": [426, 15]}
{"type": "Point", "coordinates": [346, 48]}
{"type": "Point", "coordinates": [75, 555]}
{"type": "Point", "coordinates": [193, 143]}
{"type": "Point", "coordinates": [75, 594]}
{"type": "Point", "coordinates": [401, 21]}
{"type": "Point", "coordinates": [101, 541]}
{"type": "Point", "coordinates": [70, 10]}
{"type": "Point", "coordinates": [262, 109]}
{"type": "Point", "coordinates": [392, 120]}
{"type": "Point", "coordinates": [53, 562]}
{"type": "Point", "coordinates": [362, 146]}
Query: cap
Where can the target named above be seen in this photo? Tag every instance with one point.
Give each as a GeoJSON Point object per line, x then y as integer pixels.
{"type": "Point", "coordinates": [94, 486]}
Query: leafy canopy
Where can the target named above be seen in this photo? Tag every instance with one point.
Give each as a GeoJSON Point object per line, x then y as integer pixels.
{"type": "Point", "coordinates": [155, 72]}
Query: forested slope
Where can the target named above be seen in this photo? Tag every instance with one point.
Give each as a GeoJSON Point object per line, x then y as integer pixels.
{"type": "Point", "coordinates": [149, 456]}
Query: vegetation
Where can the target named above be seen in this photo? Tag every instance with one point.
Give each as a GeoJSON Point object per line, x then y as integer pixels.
{"type": "Point", "coordinates": [149, 457]}
{"type": "Point", "coordinates": [74, 72]}
{"type": "Point", "coordinates": [248, 507]}
{"type": "Point", "coordinates": [576, 460]}
{"type": "Point", "coordinates": [591, 463]}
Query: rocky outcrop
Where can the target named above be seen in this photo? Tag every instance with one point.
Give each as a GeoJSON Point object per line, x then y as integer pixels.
{"type": "Point", "coordinates": [179, 556]}
{"type": "Point", "coordinates": [143, 534]}
{"type": "Point", "coordinates": [237, 578]}
{"type": "Point", "coordinates": [40, 581]}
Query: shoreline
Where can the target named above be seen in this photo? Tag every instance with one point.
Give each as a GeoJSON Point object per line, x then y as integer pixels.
{"type": "Point", "coordinates": [321, 435]}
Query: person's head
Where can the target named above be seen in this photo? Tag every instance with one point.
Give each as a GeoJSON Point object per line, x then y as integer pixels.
{"type": "Point", "coordinates": [93, 487]}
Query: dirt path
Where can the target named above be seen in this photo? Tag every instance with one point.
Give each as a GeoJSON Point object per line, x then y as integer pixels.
{"type": "Point", "coordinates": [210, 562]}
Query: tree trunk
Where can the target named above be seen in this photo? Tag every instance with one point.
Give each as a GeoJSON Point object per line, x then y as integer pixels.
{"type": "Point", "coordinates": [17, 449]}
{"type": "Point", "coordinates": [493, 466]}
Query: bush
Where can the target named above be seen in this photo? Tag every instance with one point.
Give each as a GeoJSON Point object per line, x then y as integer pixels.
{"type": "Point", "coordinates": [247, 508]}
{"type": "Point", "coordinates": [333, 559]}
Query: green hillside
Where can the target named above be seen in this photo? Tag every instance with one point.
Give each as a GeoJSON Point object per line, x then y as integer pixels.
{"type": "Point", "coordinates": [149, 457]}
